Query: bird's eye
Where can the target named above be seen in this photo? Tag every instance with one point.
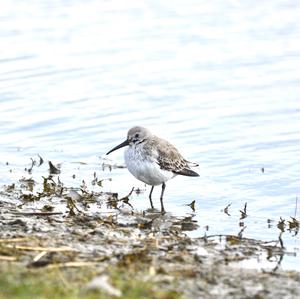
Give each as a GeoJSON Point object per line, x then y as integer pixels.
{"type": "Point", "coordinates": [136, 135]}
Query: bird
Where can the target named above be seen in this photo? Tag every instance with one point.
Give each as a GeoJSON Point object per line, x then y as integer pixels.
{"type": "Point", "coordinates": [153, 160]}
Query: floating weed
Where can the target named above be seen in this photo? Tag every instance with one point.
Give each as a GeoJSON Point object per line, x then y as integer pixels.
{"type": "Point", "coordinates": [96, 181]}
{"type": "Point", "coordinates": [192, 205]}
{"type": "Point", "coordinates": [83, 186]}
{"type": "Point", "coordinates": [281, 225]}
{"type": "Point", "coordinates": [53, 169]}
{"type": "Point", "coordinates": [143, 254]}
{"type": "Point", "coordinates": [244, 212]}
{"type": "Point", "coordinates": [125, 199]}
{"type": "Point", "coordinates": [294, 226]}
{"type": "Point", "coordinates": [113, 200]}
{"type": "Point", "coordinates": [49, 186]}
{"type": "Point", "coordinates": [187, 223]}
{"type": "Point", "coordinates": [232, 240]}
{"type": "Point", "coordinates": [27, 197]}
{"type": "Point", "coordinates": [240, 234]}
{"type": "Point", "coordinates": [47, 208]}
{"type": "Point", "coordinates": [10, 188]}
{"type": "Point", "coordinates": [28, 184]}
{"type": "Point", "coordinates": [41, 161]}
{"type": "Point", "coordinates": [72, 206]}
{"type": "Point", "coordinates": [226, 210]}
{"type": "Point", "coordinates": [33, 162]}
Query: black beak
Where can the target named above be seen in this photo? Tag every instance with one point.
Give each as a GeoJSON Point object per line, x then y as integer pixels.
{"type": "Point", "coordinates": [119, 146]}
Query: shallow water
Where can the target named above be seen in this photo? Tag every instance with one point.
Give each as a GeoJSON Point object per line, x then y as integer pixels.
{"type": "Point", "coordinates": [220, 80]}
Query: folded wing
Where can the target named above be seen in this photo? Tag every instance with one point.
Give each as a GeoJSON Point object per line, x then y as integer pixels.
{"type": "Point", "coordinates": [170, 159]}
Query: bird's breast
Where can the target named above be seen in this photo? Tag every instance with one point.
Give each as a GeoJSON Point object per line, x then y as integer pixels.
{"type": "Point", "coordinates": [144, 167]}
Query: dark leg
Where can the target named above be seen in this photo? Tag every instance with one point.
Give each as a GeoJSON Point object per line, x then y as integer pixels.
{"type": "Point", "coordinates": [150, 197]}
{"type": "Point", "coordinates": [163, 187]}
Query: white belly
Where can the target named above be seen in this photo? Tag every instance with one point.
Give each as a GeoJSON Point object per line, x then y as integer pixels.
{"type": "Point", "coordinates": [145, 169]}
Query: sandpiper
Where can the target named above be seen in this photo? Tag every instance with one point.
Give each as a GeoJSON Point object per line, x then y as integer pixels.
{"type": "Point", "coordinates": [153, 160]}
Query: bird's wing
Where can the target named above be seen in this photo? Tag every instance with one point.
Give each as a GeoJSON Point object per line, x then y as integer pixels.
{"type": "Point", "coordinates": [170, 159]}
{"type": "Point", "coordinates": [191, 164]}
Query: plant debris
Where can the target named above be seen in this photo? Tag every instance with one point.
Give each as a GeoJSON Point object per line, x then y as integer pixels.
{"type": "Point", "coordinates": [47, 225]}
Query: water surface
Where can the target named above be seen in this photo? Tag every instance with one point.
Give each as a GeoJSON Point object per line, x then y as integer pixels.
{"type": "Point", "coordinates": [220, 80]}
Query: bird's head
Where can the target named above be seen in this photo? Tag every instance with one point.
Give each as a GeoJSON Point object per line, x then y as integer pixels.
{"type": "Point", "coordinates": [135, 135]}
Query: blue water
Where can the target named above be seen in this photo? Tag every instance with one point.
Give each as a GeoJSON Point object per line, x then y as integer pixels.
{"type": "Point", "coordinates": [219, 79]}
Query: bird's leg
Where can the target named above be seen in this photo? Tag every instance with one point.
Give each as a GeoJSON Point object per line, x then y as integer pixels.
{"type": "Point", "coordinates": [163, 187]}
{"type": "Point", "coordinates": [150, 197]}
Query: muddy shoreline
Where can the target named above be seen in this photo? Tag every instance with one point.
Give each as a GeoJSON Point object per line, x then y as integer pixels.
{"type": "Point", "coordinates": [36, 235]}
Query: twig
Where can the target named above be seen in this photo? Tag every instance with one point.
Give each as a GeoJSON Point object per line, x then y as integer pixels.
{"type": "Point", "coordinates": [7, 258]}
{"type": "Point", "coordinates": [37, 213]}
{"type": "Point", "coordinates": [47, 249]}
{"type": "Point", "coordinates": [14, 240]}
{"type": "Point", "coordinates": [39, 256]}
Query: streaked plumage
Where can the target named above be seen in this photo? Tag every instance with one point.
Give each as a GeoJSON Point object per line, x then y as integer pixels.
{"type": "Point", "coordinates": [153, 160]}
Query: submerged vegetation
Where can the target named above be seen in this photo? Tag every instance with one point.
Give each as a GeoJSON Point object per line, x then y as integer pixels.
{"type": "Point", "coordinates": [62, 242]}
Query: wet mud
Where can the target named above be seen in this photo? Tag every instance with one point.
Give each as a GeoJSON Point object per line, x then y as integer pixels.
{"type": "Point", "coordinates": [47, 225]}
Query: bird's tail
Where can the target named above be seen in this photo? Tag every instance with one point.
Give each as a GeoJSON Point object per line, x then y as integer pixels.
{"type": "Point", "coordinates": [187, 172]}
